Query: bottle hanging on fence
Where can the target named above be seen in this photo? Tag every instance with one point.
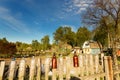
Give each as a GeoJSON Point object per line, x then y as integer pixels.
{"type": "Point", "coordinates": [54, 61]}
{"type": "Point", "coordinates": [75, 60]}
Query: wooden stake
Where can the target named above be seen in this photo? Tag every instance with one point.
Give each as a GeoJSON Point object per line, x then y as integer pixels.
{"type": "Point", "coordinates": [2, 66]}
{"type": "Point", "coordinates": [91, 64]}
{"type": "Point", "coordinates": [21, 73]}
{"type": "Point", "coordinates": [54, 74]}
{"type": "Point", "coordinates": [12, 70]}
{"type": "Point", "coordinates": [81, 65]}
{"type": "Point", "coordinates": [108, 68]}
{"type": "Point", "coordinates": [68, 68]}
{"type": "Point", "coordinates": [46, 68]}
{"type": "Point", "coordinates": [32, 69]}
{"type": "Point", "coordinates": [38, 69]}
{"type": "Point", "coordinates": [60, 68]}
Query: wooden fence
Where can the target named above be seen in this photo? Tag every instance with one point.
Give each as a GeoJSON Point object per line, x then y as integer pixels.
{"type": "Point", "coordinates": [91, 67]}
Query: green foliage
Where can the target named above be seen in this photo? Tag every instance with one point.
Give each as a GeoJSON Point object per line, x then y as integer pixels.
{"type": "Point", "coordinates": [101, 35]}
{"type": "Point", "coordinates": [7, 47]}
{"type": "Point", "coordinates": [22, 46]}
{"type": "Point", "coordinates": [64, 34]}
{"type": "Point", "coordinates": [58, 35]}
{"type": "Point", "coordinates": [82, 35]}
{"type": "Point", "coordinates": [36, 45]}
{"type": "Point", "coordinates": [45, 42]}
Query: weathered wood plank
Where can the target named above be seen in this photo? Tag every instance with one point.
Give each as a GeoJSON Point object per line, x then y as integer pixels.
{"type": "Point", "coordinates": [81, 63]}
{"type": "Point", "coordinates": [21, 72]}
{"type": "Point", "coordinates": [2, 66]}
{"type": "Point", "coordinates": [12, 70]}
{"type": "Point", "coordinates": [54, 74]}
{"type": "Point", "coordinates": [46, 68]}
{"type": "Point", "coordinates": [68, 68]}
{"type": "Point", "coordinates": [60, 68]}
{"type": "Point", "coordinates": [38, 69]}
{"type": "Point", "coordinates": [32, 69]}
{"type": "Point", "coordinates": [108, 68]}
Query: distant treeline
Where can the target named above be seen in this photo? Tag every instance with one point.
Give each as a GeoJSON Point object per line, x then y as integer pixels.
{"type": "Point", "coordinates": [7, 47]}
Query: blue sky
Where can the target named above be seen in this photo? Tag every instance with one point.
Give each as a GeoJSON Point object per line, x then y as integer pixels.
{"type": "Point", "coordinates": [28, 20]}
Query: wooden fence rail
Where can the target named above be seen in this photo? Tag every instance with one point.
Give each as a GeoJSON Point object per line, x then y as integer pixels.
{"type": "Point", "coordinates": [91, 67]}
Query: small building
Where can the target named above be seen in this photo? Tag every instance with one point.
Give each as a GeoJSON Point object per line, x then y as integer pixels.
{"type": "Point", "coordinates": [91, 47]}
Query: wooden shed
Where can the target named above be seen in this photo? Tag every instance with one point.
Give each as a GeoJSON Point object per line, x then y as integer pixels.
{"type": "Point", "coordinates": [91, 47]}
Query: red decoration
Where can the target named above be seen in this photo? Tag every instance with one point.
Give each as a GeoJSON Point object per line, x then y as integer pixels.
{"type": "Point", "coordinates": [54, 62]}
{"type": "Point", "coordinates": [75, 60]}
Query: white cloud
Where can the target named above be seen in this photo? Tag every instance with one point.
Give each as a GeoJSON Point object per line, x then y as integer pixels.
{"type": "Point", "coordinates": [11, 21]}
{"type": "Point", "coordinates": [2, 10]}
{"type": "Point", "coordinates": [77, 6]}
{"type": "Point", "coordinates": [72, 27]}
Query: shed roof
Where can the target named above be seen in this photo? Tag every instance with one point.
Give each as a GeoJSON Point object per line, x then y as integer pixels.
{"type": "Point", "coordinates": [91, 44]}
{"type": "Point", "coordinates": [94, 45]}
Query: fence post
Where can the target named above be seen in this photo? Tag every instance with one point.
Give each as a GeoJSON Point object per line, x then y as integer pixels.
{"type": "Point", "coordinates": [21, 73]}
{"type": "Point", "coordinates": [32, 69]}
{"type": "Point", "coordinates": [102, 60]}
{"type": "Point", "coordinates": [81, 63]}
{"type": "Point", "coordinates": [54, 73]}
{"type": "Point", "coordinates": [46, 68]}
{"type": "Point", "coordinates": [91, 64]}
{"type": "Point", "coordinates": [38, 69]}
{"type": "Point", "coordinates": [60, 68]}
{"type": "Point", "coordinates": [68, 68]}
{"type": "Point", "coordinates": [2, 66]}
{"type": "Point", "coordinates": [108, 68]}
{"type": "Point", "coordinates": [102, 63]}
{"type": "Point", "coordinates": [96, 63]}
{"type": "Point", "coordinates": [64, 65]}
{"type": "Point", "coordinates": [12, 70]}
{"type": "Point", "coordinates": [86, 64]}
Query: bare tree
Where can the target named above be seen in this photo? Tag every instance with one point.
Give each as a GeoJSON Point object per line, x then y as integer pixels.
{"type": "Point", "coordinates": [105, 12]}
